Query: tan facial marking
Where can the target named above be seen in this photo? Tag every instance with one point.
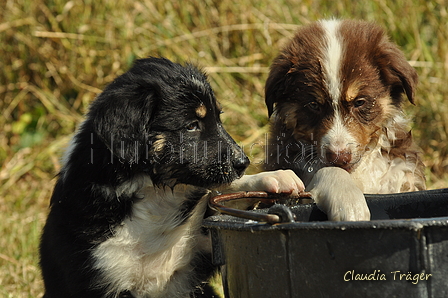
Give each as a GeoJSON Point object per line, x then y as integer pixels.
{"type": "Point", "coordinates": [159, 144]}
{"type": "Point", "coordinates": [201, 111]}
{"type": "Point", "coordinates": [387, 108]}
{"type": "Point", "coordinates": [352, 91]}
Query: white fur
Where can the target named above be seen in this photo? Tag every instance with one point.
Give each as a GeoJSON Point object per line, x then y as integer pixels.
{"type": "Point", "coordinates": [338, 196]}
{"type": "Point", "coordinates": [332, 59]}
{"type": "Point", "coordinates": [377, 174]}
{"type": "Point", "coordinates": [338, 138]}
{"type": "Point", "coordinates": [150, 253]}
{"type": "Point", "coordinates": [280, 181]}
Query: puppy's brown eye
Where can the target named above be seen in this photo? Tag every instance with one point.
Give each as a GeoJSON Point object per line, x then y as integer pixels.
{"type": "Point", "coordinates": [312, 105]}
{"type": "Point", "coordinates": [359, 102]}
{"type": "Point", "coordinates": [193, 126]}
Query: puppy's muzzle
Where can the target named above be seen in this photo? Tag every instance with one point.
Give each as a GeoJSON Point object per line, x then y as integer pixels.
{"type": "Point", "coordinates": [339, 158]}
{"type": "Point", "coordinates": [240, 162]}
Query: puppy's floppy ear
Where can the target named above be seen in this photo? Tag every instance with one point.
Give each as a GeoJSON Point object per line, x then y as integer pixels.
{"type": "Point", "coordinates": [122, 115]}
{"type": "Point", "coordinates": [275, 83]}
{"type": "Point", "coordinates": [397, 72]}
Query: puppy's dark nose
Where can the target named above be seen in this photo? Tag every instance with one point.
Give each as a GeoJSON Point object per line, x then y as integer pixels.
{"type": "Point", "coordinates": [240, 164]}
{"type": "Point", "coordinates": [339, 158]}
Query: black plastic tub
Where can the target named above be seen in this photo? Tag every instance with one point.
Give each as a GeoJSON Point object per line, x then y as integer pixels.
{"type": "Point", "coordinates": [401, 252]}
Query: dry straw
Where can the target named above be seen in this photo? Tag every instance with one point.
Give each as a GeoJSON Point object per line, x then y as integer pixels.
{"type": "Point", "coordinates": [56, 57]}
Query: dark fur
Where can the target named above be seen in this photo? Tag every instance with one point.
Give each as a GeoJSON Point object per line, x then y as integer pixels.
{"type": "Point", "coordinates": [152, 104]}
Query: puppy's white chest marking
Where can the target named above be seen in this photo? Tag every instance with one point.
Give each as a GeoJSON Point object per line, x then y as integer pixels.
{"type": "Point", "coordinates": [152, 247]}
{"type": "Point", "coordinates": [378, 174]}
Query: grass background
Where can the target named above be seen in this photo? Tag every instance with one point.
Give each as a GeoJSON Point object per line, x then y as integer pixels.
{"type": "Point", "coordinates": [56, 56]}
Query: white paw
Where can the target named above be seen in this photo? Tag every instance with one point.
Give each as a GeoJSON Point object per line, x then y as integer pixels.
{"type": "Point", "coordinates": [280, 181]}
{"type": "Point", "coordinates": [337, 195]}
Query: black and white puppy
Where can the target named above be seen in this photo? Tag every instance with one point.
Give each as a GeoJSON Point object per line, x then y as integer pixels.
{"type": "Point", "coordinates": [126, 211]}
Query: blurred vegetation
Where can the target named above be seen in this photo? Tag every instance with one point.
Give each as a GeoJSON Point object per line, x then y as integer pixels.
{"type": "Point", "coordinates": [58, 55]}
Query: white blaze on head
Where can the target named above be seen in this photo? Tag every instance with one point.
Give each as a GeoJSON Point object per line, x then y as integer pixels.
{"type": "Point", "coordinates": [332, 59]}
{"type": "Point", "coordinates": [338, 138]}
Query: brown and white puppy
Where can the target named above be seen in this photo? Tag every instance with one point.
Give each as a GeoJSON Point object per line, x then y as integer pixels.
{"type": "Point", "coordinates": [334, 95]}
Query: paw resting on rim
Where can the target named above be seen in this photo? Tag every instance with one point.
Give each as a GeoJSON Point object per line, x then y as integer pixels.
{"type": "Point", "coordinates": [280, 181]}
{"type": "Point", "coordinates": [336, 194]}
{"type": "Point", "coordinates": [277, 182]}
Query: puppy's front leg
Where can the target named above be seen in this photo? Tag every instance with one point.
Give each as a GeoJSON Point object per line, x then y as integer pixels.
{"type": "Point", "coordinates": [336, 194]}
